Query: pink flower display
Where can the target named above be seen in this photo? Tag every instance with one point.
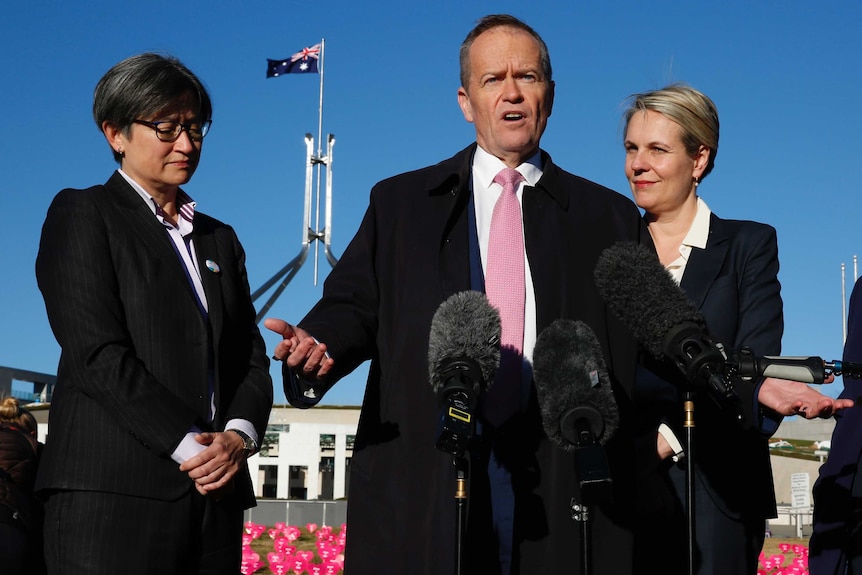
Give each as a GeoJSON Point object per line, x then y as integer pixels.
{"type": "Point", "coordinates": [327, 558]}
{"type": "Point", "coordinates": [782, 564]}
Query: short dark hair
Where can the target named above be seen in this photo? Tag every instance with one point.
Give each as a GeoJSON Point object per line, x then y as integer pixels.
{"type": "Point", "coordinates": [496, 21]}
{"type": "Point", "coordinates": [143, 85]}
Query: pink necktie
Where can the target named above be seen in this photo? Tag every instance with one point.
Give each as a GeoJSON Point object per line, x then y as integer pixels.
{"type": "Point", "coordinates": [504, 286]}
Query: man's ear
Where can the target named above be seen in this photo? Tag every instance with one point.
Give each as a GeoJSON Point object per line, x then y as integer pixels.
{"type": "Point", "coordinates": [464, 102]}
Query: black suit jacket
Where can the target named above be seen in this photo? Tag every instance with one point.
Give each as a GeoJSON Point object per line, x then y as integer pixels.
{"type": "Point", "coordinates": [411, 253]}
{"type": "Point", "coordinates": [838, 488]}
{"type": "Point", "coordinates": [136, 349]}
{"type": "Point", "coordinates": [734, 283]}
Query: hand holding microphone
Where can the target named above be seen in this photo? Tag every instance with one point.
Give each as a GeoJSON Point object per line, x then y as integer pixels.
{"type": "Point", "coordinates": [638, 289]}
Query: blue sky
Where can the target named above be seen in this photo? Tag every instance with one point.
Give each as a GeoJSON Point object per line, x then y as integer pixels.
{"type": "Point", "coordinates": [785, 76]}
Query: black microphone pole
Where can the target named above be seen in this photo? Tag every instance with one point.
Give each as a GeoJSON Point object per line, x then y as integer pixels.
{"type": "Point", "coordinates": [463, 357]}
{"type": "Point", "coordinates": [461, 476]}
{"type": "Point", "coordinates": [579, 414]}
{"type": "Point", "coordinates": [591, 469]}
{"type": "Point", "coordinates": [454, 435]}
{"type": "Point", "coordinates": [688, 424]}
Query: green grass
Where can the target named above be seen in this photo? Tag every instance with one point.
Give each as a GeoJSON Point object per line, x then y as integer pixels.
{"type": "Point", "coordinates": [800, 449]}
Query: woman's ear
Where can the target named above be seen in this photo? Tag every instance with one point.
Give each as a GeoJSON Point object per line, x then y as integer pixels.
{"type": "Point", "coordinates": [701, 160]}
{"type": "Point", "coordinates": [115, 137]}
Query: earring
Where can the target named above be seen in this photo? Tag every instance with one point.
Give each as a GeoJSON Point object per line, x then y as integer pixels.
{"type": "Point", "coordinates": [122, 152]}
{"type": "Point", "coordinates": [696, 181]}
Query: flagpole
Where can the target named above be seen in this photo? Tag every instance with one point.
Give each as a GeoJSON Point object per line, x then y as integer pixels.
{"type": "Point", "coordinates": [319, 156]}
{"type": "Point", "coordinates": [320, 106]}
{"type": "Point", "coordinates": [843, 305]}
{"type": "Point", "coordinates": [311, 230]}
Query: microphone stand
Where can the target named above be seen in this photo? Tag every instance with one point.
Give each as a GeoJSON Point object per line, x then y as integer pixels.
{"type": "Point", "coordinates": [580, 427]}
{"type": "Point", "coordinates": [461, 474]}
{"type": "Point", "coordinates": [581, 514]}
{"type": "Point", "coordinates": [688, 424]}
{"type": "Point", "coordinates": [454, 434]}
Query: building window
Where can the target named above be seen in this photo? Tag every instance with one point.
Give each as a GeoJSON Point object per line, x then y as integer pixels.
{"type": "Point", "coordinates": [269, 445]}
{"type": "Point", "coordinates": [327, 441]}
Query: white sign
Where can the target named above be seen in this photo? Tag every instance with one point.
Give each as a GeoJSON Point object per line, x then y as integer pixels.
{"type": "Point", "coordinates": [800, 490]}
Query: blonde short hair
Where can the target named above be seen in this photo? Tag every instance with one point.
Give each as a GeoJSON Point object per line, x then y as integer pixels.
{"type": "Point", "coordinates": [695, 113]}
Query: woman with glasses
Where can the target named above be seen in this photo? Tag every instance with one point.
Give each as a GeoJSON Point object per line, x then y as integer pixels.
{"type": "Point", "coordinates": [163, 386]}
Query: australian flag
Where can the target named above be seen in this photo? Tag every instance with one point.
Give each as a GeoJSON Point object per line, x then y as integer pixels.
{"type": "Point", "coordinates": [303, 62]}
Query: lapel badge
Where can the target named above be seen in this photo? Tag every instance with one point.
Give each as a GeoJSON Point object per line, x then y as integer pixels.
{"type": "Point", "coordinates": [213, 267]}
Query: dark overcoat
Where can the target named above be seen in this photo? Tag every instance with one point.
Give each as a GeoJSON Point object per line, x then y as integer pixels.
{"type": "Point", "coordinates": [409, 255]}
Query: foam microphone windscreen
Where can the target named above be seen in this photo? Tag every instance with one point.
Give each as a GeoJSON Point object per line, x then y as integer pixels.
{"type": "Point", "coordinates": [640, 291]}
{"type": "Point", "coordinates": [464, 327]}
{"type": "Point", "coordinates": [572, 382]}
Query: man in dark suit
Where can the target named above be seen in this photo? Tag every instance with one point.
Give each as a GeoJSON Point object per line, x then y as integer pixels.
{"type": "Point", "coordinates": [427, 235]}
{"type": "Point", "coordinates": [162, 388]}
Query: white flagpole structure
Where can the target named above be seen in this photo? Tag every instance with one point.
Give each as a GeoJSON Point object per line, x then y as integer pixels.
{"type": "Point", "coordinates": [310, 230]}
{"type": "Point", "coordinates": [843, 305]}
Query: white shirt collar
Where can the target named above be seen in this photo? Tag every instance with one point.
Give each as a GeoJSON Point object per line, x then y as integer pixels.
{"type": "Point", "coordinates": [698, 233]}
{"type": "Point", "coordinates": [486, 167]}
{"type": "Point", "coordinates": [697, 236]}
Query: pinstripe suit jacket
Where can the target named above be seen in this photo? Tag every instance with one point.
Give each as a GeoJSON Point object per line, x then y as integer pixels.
{"type": "Point", "coordinates": [136, 350]}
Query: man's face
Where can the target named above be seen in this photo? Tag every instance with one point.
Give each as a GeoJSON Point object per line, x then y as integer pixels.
{"type": "Point", "coordinates": [508, 98]}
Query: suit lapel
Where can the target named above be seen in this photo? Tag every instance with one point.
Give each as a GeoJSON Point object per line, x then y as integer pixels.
{"type": "Point", "coordinates": [138, 217]}
{"type": "Point", "coordinates": [705, 265]}
{"type": "Point", "coordinates": [449, 189]}
{"type": "Point", "coordinates": [210, 264]}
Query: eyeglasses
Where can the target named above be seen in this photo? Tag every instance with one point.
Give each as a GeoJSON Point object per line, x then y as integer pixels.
{"type": "Point", "coordinates": [170, 131]}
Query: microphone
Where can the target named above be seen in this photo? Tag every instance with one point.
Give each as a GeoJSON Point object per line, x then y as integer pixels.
{"type": "Point", "coordinates": [853, 370]}
{"type": "Point", "coordinates": [810, 369]}
{"type": "Point", "coordinates": [463, 356]}
{"type": "Point", "coordinates": [640, 291]}
{"type": "Point", "coordinates": [579, 412]}
{"type": "Point", "coordinates": [804, 369]}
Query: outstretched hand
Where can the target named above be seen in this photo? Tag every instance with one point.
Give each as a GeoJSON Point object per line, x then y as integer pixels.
{"type": "Point", "coordinates": [300, 351]}
{"type": "Point", "coordinates": [795, 398]}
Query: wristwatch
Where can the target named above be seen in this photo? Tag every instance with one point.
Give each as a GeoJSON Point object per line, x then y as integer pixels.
{"type": "Point", "coordinates": [249, 445]}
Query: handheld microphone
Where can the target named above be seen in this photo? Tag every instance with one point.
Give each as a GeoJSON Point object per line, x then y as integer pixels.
{"type": "Point", "coordinates": [579, 412]}
{"type": "Point", "coordinates": [804, 369]}
{"type": "Point", "coordinates": [463, 356]}
{"type": "Point", "coordinates": [638, 289]}
{"type": "Point", "coordinates": [810, 369]}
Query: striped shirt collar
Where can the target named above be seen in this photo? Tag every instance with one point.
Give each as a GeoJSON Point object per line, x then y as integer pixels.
{"type": "Point", "coordinates": [186, 206]}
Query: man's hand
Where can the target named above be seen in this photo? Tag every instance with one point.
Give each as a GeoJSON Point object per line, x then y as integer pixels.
{"type": "Point", "coordinates": [795, 398]}
{"type": "Point", "coordinates": [302, 353]}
